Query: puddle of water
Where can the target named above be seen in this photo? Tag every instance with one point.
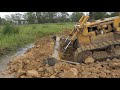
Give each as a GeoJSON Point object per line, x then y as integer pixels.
{"type": "Point", "coordinates": [4, 60]}
{"type": "Point", "coordinates": [21, 51]}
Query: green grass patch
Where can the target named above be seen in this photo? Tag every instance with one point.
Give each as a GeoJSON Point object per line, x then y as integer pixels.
{"type": "Point", "coordinates": [28, 33]}
{"type": "Point", "coordinates": [10, 29]}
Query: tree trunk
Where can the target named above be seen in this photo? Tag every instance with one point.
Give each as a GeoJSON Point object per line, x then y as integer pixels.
{"type": "Point", "coordinates": [91, 14]}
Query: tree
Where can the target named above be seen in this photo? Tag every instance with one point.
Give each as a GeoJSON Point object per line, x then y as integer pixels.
{"type": "Point", "coordinates": [62, 16]}
{"type": "Point", "coordinates": [99, 15]}
{"type": "Point", "coordinates": [51, 16]}
{"type": "Point", "coordinates": [8, 17]}
{"type": "Point", "coordinates": [76, 16]}
{"type": "Point", "coordinates": [30, 17]}
{"type": "Point", "coordinates": [107, 15]}
{"type": "Point", "coordinates": [0, 20]}
{"type": "Point", "coordinates": [40, 17]}
{"type": "Point", "coordinates": [3, 21]}
{"type": "Point", "coordinates": [16, 17]}
{"type": "Point", "coordinates": [91, 14]}
{"type": "Point", "coordinates": [113, 14]}
{"type": "Point", "coordinates": [13, 17]}
{"type": "Point", "coordinates": [46, 17]}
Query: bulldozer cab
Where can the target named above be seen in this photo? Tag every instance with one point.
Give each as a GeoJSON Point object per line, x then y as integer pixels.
{"type": "Point", "coordinates": [99, 30]}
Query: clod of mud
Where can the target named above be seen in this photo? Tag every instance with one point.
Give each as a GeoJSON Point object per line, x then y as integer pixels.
{"type": "Point", "coordinates": [68, 74]}
{"type": "Point", "coordinates": [41, 69]}
{"type": "Point", "coordinates": [20, 72]}
{"type": "Point", "coordinates": [32, 73]}
{"type": "Point", "coordinates": [89, 60]}
{"type": "Point", "coordinates": [50, 70]}
{"type": "Point", "coordinates": [52, 76]}
{"type": "Point", "coordinates": [74, 70]}
{"type": "Point", "coordinates": [114, 65]}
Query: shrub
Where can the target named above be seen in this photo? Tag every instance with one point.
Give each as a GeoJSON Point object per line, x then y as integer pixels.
{"type": "Point", "coordinates": [16, 30]}
{"type": "Point", "coordinates": [33, 27]}
{"type": "Point", "coordinates": [10, 29]}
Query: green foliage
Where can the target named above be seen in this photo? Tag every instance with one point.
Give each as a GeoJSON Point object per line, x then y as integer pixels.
{"type": "Point", "coordinates": [10, 29]}
{"type": "Point", "coordinates": [63, 23]}
{"type": "Point", "coordinates": [45, 26]}
{"type": "Point", "coordinates": [63, 17]}
{"type": "Point", "coordinates": [33, 27]}
{"type": "Point", "coordinates": [52, 17]}
{"type": "Point", "coordinates": [99, 15]}
{"type": "Point", "coordinates": [2, 21]}
{"type": "Point", "coordinates": [28, 35]}
{"type": "Point", "coordinates": [76, 16]}
{"type": "Point", "coordinates": [31, 17]}
{"type": "Point", "coordinates": [46, 17]}
{"type": "Point", "coordinates": [114, 14]}
{"type": "Point", "coordinates": [15, 30]}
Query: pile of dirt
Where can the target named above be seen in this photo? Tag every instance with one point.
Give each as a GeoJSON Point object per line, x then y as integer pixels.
{"type": "Point", "coordinates": [33, 57]}
{"type": "Point", "coordinates": [31, 65]}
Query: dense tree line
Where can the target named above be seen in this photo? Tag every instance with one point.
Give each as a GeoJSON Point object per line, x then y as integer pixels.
{"type": "Point", "coordinates": [100, 15]}
{"type": "Point", "coordinates": [52, 17]}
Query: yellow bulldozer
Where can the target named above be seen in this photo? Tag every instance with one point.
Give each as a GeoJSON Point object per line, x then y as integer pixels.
{"type": "Point", "coordinates": [99, 39]}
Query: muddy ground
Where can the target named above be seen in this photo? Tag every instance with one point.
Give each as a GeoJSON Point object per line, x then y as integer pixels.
{"type": "Point", "coordinates": [30, 65]}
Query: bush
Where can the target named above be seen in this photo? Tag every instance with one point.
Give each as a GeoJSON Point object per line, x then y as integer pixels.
{"type": "Point", "coordinates": [40, 34]}
{"type": "Point", "coordinates": [10, 29]}
{"type": "Point", "coordinates": [16, 30]}
{"type": "Point", "coordinates": [33, 27]}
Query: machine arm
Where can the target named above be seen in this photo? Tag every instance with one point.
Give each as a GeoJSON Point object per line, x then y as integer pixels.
{"type": "Point", "coordinates": [76, 30]}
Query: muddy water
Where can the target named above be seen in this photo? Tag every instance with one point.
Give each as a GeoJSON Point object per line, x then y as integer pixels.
{"type": "Point", "coordinates": [4, 60]}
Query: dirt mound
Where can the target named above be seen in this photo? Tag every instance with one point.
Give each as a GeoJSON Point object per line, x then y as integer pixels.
{"type": "Point", "coordinates": [31, 65]}
{"type": "Point", "coordinates": [33, 57]}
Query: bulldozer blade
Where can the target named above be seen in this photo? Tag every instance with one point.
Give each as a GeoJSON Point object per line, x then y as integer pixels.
{"type": "Point", "coordinates": [51, 61]}
{"type": "Point", "coordinates": [55, 56]}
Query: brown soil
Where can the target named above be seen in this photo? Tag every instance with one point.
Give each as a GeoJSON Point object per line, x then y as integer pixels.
{"type": "Point", "coordinates": [31, 65]}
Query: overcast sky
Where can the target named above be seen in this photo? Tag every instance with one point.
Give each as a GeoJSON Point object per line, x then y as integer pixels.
{"type": "Point", "coordinates": [2, 14]}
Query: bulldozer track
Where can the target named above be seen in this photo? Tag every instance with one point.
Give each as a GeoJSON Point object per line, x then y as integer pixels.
{"type": "Point", "coordinates": [96, 47]}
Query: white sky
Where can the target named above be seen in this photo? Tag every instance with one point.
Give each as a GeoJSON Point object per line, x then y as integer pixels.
{"type": "Point", "coordinates": [2, 14]}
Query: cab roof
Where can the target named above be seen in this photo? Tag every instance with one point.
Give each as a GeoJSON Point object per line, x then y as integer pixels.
{"type": "Point", "coordinates": [92, 23]}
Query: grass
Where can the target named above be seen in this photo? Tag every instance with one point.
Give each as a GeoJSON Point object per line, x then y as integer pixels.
{"type": "Point", "coordinates": [28, 34]}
